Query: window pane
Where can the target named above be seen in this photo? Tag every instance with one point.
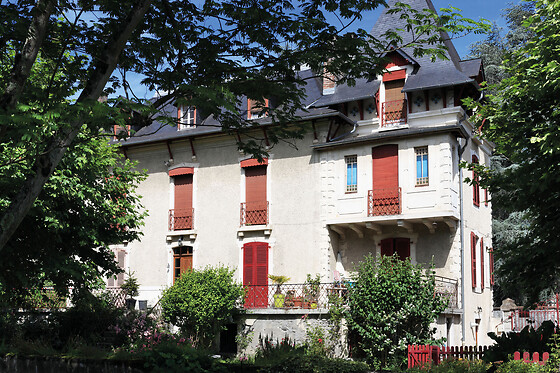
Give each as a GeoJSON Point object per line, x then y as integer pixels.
{"type": "Point", "coordinates": [425, 166]}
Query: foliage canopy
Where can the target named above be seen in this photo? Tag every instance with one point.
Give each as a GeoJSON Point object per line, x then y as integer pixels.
{"type": "Point", "coordinates": [524, 123]}
{"type": "Point", "coordinates": [204, 54]}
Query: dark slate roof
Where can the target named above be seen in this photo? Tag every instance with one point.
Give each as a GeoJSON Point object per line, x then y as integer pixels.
{"type": "Point", "coordinates": [159, 132]}
{"type": "Point", "coordinates": [430, 74]}
{"type": "Point", "coordinates": [472, 67]}
{"type": "Point", "coordinates": [364, 88]}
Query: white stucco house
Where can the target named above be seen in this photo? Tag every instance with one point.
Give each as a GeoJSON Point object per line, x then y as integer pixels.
{"type": "Point", "coordinates": [378, 172]}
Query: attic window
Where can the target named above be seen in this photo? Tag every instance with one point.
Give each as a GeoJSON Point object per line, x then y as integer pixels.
{"type": "Point", "coordinates": [254, 110]}
{"type": "Point", "coordinates": [186, 117]}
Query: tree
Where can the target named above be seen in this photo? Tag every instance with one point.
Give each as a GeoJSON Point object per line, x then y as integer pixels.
{"type": "Point", "coordinates": [391, 305]}
{"type": "Point", "coordinates": [201, 302]}
{"type": "Point", "coordinates": [524, 123]}
{"type": "Point", "coordinates": [508, 225]}
{"type": "Point", "coordinates": [206, 55]}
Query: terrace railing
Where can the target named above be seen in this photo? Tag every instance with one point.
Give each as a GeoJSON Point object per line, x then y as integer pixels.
{"type": "Point", "coordinates": [384, 201]}
{"type": "Point", "coordinates": [295, 296]}
{"type": "Point", "coordinates": [394, 113]}
{"type": "Point", "coordinates": [292, 296]}
{"type": "Point", "coordinates": [448, 288]}
{"type": "Point", "coordinates": [181, 219]}
{"type": "Point", "coordinates": [254, 213]}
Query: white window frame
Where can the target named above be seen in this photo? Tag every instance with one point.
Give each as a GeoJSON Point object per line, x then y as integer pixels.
{"type": "Point", "coordinates": [186, 117]}
{"type": "Point", "coordinates": [420, 152]}
{"type": "Point", "coordinates": [351, 160]}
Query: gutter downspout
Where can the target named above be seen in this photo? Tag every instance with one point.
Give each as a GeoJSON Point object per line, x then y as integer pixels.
{"type": "Point", "coordinates": [460, 152]}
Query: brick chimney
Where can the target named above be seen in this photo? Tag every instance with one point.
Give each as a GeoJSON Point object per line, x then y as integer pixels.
{"type": "Point", "coordinates": [329, 82]}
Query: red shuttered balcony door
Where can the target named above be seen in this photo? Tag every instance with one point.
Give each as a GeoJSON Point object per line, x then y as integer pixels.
{"type": "Point", "coordinates": [255, 274]}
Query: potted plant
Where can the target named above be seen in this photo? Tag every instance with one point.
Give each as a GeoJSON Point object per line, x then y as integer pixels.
{"type": "Point", "coordinates": [130, 288]}
{"type": "Point", "coordinates": [289, 301]}
{"type": "Point", "coordinates": [278, 296]}
{"type": "Point", "coordinates": [311, 291]}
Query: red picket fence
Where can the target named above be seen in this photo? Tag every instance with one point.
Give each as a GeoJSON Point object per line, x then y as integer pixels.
{"type": "Point", "coordinates": [527, 357]}
{"type": "Point", "coordinates": [421, 355]}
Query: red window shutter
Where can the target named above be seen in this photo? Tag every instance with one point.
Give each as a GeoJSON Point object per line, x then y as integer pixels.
{"type": "Point", "coordinates": [385, 167]}
{"type": "Point", "coordinates": [183, 192]}
{"type": "Point", "coordinates": [473, 259]}
{"type": "Point", "coordinates": [387, 247]}
{"type": "Point", "coordinates": [476, 187]}
{"type": "Point", "coordinates": [402, 246]}
{"type": "Point", "coordinates": [121, 254]}
{"type": "Point", "coordinates": [482, 262]}
{"type": "Point", "coordinates": [491, 252]}
{"type": "Point", "coordinates": [255, 184]}
{"type": "Point", "coordinates": [255, 273]}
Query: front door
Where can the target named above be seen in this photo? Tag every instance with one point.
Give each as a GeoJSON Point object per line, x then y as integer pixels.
{"type": "Point", "coordinates": [400, 246]}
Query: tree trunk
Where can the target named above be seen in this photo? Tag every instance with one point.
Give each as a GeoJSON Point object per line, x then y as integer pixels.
{"type": "Point", "coordinates": [46, 163]}
{"type": "Point", "coordinates": [24, 60]}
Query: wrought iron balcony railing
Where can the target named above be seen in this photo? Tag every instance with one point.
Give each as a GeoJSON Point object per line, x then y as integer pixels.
{"type": "Point", "coordinates": [394, 113]}
{"type": "Point", "coordinates": [181, 219]}
{"type": "Point", "coordinates": [306, 296]}
{"type": "Point", "coordinates": [448, 288]}
{"type": "Point", "coordinates": [254, 213]}
{"type": "Point", "coordinates": [384, 201]}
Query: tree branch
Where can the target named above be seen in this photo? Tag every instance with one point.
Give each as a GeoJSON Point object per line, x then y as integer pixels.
{"type": "Point", "coordinates": [45, 164]}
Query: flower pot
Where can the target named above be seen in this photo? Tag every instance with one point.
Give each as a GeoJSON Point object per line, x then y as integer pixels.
{"type": "Point", "coordinates": [313, 305]}
{"type": "Point", "coordinates": [298, 302]}
{"type": "Point", "coordinates": [279, 300]}
{"type": "Point", "coordinates": [306, 304]}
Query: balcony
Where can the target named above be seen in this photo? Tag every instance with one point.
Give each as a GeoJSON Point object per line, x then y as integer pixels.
{"type": "Point", "coordinates": [394, 113]}
{"type": "Point", "coordinates": [181, 219]}
{"type": "Point", "coordinates": [306, 296]}
{"type": "Point", "coordinates": [254, 213]}
{"type": "Point", "coordinates": [448, 288]}
{"type": "Point", "coordinates": [384, 202]}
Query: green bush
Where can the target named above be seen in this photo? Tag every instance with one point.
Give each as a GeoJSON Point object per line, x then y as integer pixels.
{"type": "Point", "coordinates": [513, 366]}
{"type": "Point", "coordinates": [270, 351]}
{"type": "Point", "coordinates": [172, 357]}
{"type": "Point", "coordinates": [391, 306]}
{"type": "Point", "coordinates": [315, 364]}
{"type": "Point", "coordinates": [454, 366]}
{"type": "Point", "coordinates": [528, 339]}
{"type": "Point", "coordinates": [201, 302]}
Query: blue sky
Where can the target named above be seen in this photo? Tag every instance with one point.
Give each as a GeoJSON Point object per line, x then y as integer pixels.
{"type": "Point", "coordinates": [474, 9]}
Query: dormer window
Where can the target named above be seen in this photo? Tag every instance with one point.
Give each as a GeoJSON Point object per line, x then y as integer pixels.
{"type": "Point", "coordinates": [254, 110]}
{"type": "Point", "coordinates": [186, 117]}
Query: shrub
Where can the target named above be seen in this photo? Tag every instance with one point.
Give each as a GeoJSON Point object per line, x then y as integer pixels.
{"type": "Point", "coordinates": [270, 351]}
{"type": "Point", "coordinates": [315, 364]}
{"type": "Point", "coordinates": [391, 305]}
{"type": "Point", "coordinates": [201, 302]}
{"type": "Point", "coordinates": [454, 366]}
{"type": "Point", "coordinates": [513, 366]}
{"type": "Point", "coordinates": [528, 339]}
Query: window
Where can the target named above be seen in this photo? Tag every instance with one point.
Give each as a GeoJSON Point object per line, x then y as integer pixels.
{"type": "Point", "coordinates": [421, 165]}
{"type": "Point", "coordinates": [118, 280]}
{"type": "Point", "coordinates": [255, 274]}
{"type": "Point", "coordinates": [254, 211]}
{"type": "Point", "coordinates": [186, 117]}
{"type": "Point", "coordinates": [255, 109]}
{"type": "Point", "coordinates": [474, 240]}
{"type": "Point", "coordinates": [181, 216]}
{"type": "Point", "coordinates": [182, 261]}
{"type": "Point", "coordinates": [475, 181]}
{"type": "Point", "coordinates": [400, 246]}
{"type": "Point", "coordinates": [351, 174]}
